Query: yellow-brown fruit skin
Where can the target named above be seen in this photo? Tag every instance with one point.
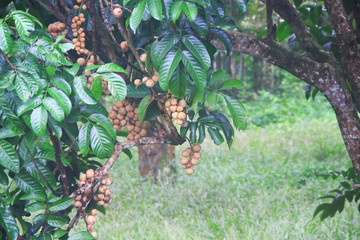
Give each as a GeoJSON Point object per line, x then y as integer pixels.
{"type": "Point", "coordinates": [90, 228]}
{"type": "Point", "coordinates": [194, 161]}
{"type": "Point", "coordinates": [185, 153]}
{"type": "Point", "coordinates": [143, 57]}
{"type": "Point", "coordinates": [184, 160]}
{"type": "Point", "coordinates": [90, 173]}
{"type": "Point", "coordinates": [94, 212]}
{"type": "Point", "coordinates": [81, 61]}
{"type": "Point", "coordinates": [90, 220]}
{"type": "Point", "coordinates": [196, 148]}
{"type": "Point", "coordinates": [82, 177]}
{"type": "Point", "coordinates": [197, 155]}
{"type": "Point", "coordinates": [117, 12]}
{"type": "Point", "coordinates": [189, 171]}
{"type": "Point", "coordinates": [182, 103]}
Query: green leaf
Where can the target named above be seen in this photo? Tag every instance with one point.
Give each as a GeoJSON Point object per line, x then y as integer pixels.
{"type": "Point", "coordinates": [178, 81]}
{"type": "Point", "coordinates": [168, 67]}
{"type": "Point", "coordinates": [61, 98]}
{"type": "Point", "coordinates": [54, 108]}
{"type": "Point", "coordinates": [202, 133]}
{"type": "Point", "coordinates": [46, 172]}
{"type": "Point", "coordinates": [193, 127]}
{"type": "Point", "coordinates": [84, 138]}
{"type": "Point", "coordinates": [29, 185]}
{"type": "Point", "coordinates": [29, 105]}
{"type": "Point", "coordinates": [160, 49]}
{"type": "Point", "coordinates": [231, 83]}
{"type": "Point", "coordinates": [39, 117]}
{"type": "Point", "coordinates": [23, 25]}
{"type": "Point", "coordinates": [155, 8]}
{"type": "Point", "coordinates": [83, 92]}
{"type": "Point", "coordinates": [137, 92]}
{"type": "Point", "coordinates": [57, 220]}
{"type": "Point", "coordinates": [73, 70]}
{"type": "Point", "coordinates": [22, 89]}
{"type": "Point", "coordinates": [224, 38]}
{"type": "Point", "coordinates": [190, 10]}
{"type": "Point", "coordinates": [137, 14]}
{"type": "Point", "coordinates": [61, 83]}
{"type": "Point", "coordinates": [96, 88]}
{"type": "Point", "coordinates": [35, 206]}
{"type": "Point", "coordinates": [84, 235]}
{"type": "Point", "coordinates": [111, 67]}
{"type": "Point", "coordinates": [237, 112]}
{"type": "Point", "coordinates": [59, 233]}
{"type": "Point", "coordinates": [9, 224]}
{"type": "Point", "coordinates": [11, 121]}
{"type": "Point", "coordinates": [242, 6]}
{"type": "Point", "coordinates": [31, 79]}
{"type": "Point", "coordinates": [101, 142]}
{"type": "Point", "coordinates": [144, 104]}
{"type": "Point", "coordinates": [105, 123]}
{"type": "Point", "coordinates": [61, 204]}
{"type": "Point", "coordinates": [198, 50]}
{"type": "Point", "coordinates": [6, 42]}
{"type": "Point", "coordinates": [92, 67]}
{"type": "Point", "coordinates": [176, 10]}
{"type": "Point", "coordinates": [195, 70]}
{"type": "Point", "coordinates": [8, 157]}
{"type": "Point", "coordinates": [215, 136]}
{"type": "Point", "coordinates": [44, 236]}
{"type": "Point", "coordinates": [116, 85]}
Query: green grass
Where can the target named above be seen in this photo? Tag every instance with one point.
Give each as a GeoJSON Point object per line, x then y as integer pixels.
{"type": "Point", "coordinates": [264, 188]}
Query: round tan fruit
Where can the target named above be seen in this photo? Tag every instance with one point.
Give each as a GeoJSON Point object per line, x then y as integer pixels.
{"type": "Point", "coordinates": [81, 61]}
{"type": "Point", "coordinates": [88, 191]}
{"type": "Point", "coordinates": [117, 12]}
{"type": "Point", "coordinates": [137, 82]}
{"type": "Point", "coordinates": [105, 205]}
{"type": "Point", "coordinates": [143, 132]}
{"type": "Point", "coordinates": [61, 27]}
{"type": "Point", "coordinates": [150, 83]}
{"type": "Point", "coordinates": [181, 115]}
{"type": "Point", "coordinates": [94, 212]}
{"type": "Point", "coordinates": [103, 181]}
{"type": "Point", "coordinates": [107, 192]}
{"type": "Point", "coordinates": [143, 57]}
{"type": "Point", "coordinates": [77, 204]}
{"type": "Point", "coordinates": [174, 115]}
{"type": "Point", "coordinates": [189, 171]}
{"type": "Point", "coordinates": [173, 101]}
{"type": "Point", "coordinates": [194, 161]}
{"type": "Point", "coordinates": [81, 183]}
{"type": "Point", "coordinates": [100, 196]}
{"type": "Point", "coordinates": [90, 173]}
{"type": "Point", "coordinates": [184, 160]}
{"type": "Point", "coordinates": [124, 46]}
{"type": "Point", "coordinates": [196, 148]}
{"type": "Point", "coordinates": [90, 228]}
{"type": "Point", "coordinates": [172, 108]}
{"type": "Point", "coordinates": [78, 198]}
{"type": "Point", "coordinates": [82, 177]}
{"type": "Point", "coordinates": [197, 155]}
{"type": "Point", "coordinates": [101, 203]}
{"type": "Point", "coordinates": [128, 108]}
{"type": "Point", "coordinates": [167, 103]}
{"type": "Point", "coordinates": [179, 122]}
{"type": "Point", "coordinates": [182, 103]}
{"type": "Point", "coordinates": [90, 220]}
{"type": "Point", "coordinates": [53, 28]}
{"type": "Point", "coordinates": [109, 181]}
{"type": "Point", "coordinates": [155, 78]}
{"type": "Point", "coordinates": [188, 165]}
{"type": "Point", "coordinates": [76, 7]}
{"type": "Point", "coordinates": [179, 109]}
{"type": "Point", "coordinates": [84, 7]}
{"type": "Point", "coordinates": [185, 153]}
{"type": "Point", "coordinates": [85, 199]}
{"type": "Point", "coordinates": [102, 189]}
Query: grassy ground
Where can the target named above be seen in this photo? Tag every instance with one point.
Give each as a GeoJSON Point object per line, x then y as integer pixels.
{"type": "Point", "coordinates": [264, 188]}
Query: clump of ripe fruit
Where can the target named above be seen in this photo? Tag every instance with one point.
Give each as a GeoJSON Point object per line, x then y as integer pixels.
{"type": "Point", "coordinates": [117, 12]}
{"type": "Point", "coordinates": [190, 158]}
{"type": "Point", "coordinates": [149, 82]}
{"type": "Point", "coordinates": [57, 28]}
{"type": "Point", "coordinates": [78, 33]}
{"type": "Point", "coordinates": [176, 109]}
{"type": "Point", "coordinates": [125, 114]}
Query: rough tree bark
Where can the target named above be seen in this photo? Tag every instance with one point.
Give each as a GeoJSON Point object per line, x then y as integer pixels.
{"type": "Point", "coordinates": [318, 68]}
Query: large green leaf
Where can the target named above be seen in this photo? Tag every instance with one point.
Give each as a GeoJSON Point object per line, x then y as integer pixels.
{"type": "Point", "coordinates": [194, 68]}
{"type": "Point", "coordinates": [237, 112]}
{"type": "Point", "coordinates": [54, 108]}
{"type": "Point", "coordinates": [84, 235]}
{"type": "Point", "coordinates": [61, 204]}
{"type": "Point", "coordinates": [9, 224]}
{"type": "Point", "coordinates": [12, 121]}
{"type": "Point", "coordinates": [32, 170]}
{"type": "Point", "coordinates": [176, 10]}
{"type": "Point", "coordinates": [84, 138]}
{"type": "Point", "coordinates": [137, 92]}
{"type": "Point", "coordinates": [101, 142]}
{"type": "Point", "coordinates": [190, 10]}
{"type": "Point", "coordinates": [224, 38]}
{"type": "Point", "coordinates": [231, 83]}
{"type": "Point", "coordinates": [31, 78]}
{"type": "Point", "coordinates": [57, 220]}
{"type": "Point", "coordinates": [23, 25]}
{"type": "Point", "coordinates": [82, 91]}
{"type": "Point", "coordinates": [144, 104]}
{"type": "Point", "coordinates": [178, 81]}
{"type": "Point", "coordinates": [29, 105]}
{"type": "Point", "coordinates": [198, 50]}
{"type": "Point", "coordinates": [22, 88]}
{"type": "Point", "coordinates": [60, 82]}
{"type": "Point", "coordinates": [111, 67]}
{"type": "Point", "coordinates": [155, 8]}
{"type": "Point", "coordinates": [61, 98]}
{"type": "Point", "coordinates": [105, 123]}
{"type": "Point", "coordinates": [8, 157]}
{"type": "Point", "coordinates": [215, 136]}
{"type": "Point", "coordinates": [168, 67]}
{"type": "Point", "coordinates": [44, 236]}
{"type": "Point", "coordinates": [35, 206]}
{"type": "Point", "coordinates": [29, 185]}
{"type": "Point", "coordinates": [39, 117]}
{"type": "Point", "coordinates": [137, 14]}
{"type": "Point", "coordinates": [96, 88]}
{"type": "Point", "coordinates": [116, 85]}
{"type": "Point", "coordinates": [160, 49]}
{"type": "Point", "coordinates": [6, 42]}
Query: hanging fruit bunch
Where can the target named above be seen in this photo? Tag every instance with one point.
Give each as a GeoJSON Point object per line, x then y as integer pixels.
{"type": "Point", "coordinates": [125, 114]}
{"type": "Point", "coordinates": [176, 109]}
{"type": "Point", "coordinates": [190, 158]}
{"type": "Point", "coordinates": [57, 28]}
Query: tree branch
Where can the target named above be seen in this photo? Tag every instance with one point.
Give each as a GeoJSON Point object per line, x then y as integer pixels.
{"type": "Point", "coordinates": [59, 164]}
{"type": "Point", "coordinates": [271, 32]}
{"type": "Point", "coordinates": [54, 10]}
{"type": "Point", "coordinates": [350, 57]}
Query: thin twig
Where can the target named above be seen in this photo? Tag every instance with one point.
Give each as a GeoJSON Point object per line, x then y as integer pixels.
{"type": "Point", "coordinates": [71, 146]}
{"type": "Point", "coordinates": [73, 222]}
{"type": "Point", "coordinates": [7, 60]}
